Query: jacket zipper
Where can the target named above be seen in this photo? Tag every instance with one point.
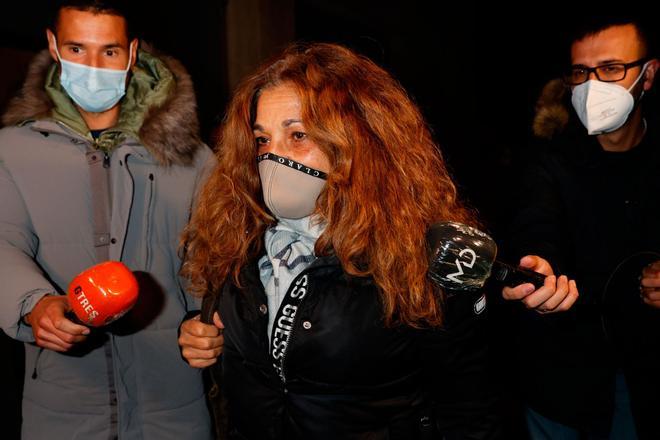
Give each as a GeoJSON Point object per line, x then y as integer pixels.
{"type": "Point", "coordinates": [72, 131]}
{"type": "Point", "coordinates": [295, 319]}
{"type": "Point", "coordinates": [148, 222]}
{"type": "Point", "coordinates": [114, 401]}
{"type": "Point", "coordinates": [288, 343]}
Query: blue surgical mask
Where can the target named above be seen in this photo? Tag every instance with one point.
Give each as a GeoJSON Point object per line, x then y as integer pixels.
{"type": "Point", "coordinates": [94, 89]}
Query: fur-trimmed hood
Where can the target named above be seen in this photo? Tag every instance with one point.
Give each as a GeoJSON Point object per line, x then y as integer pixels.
{"type": "Point", "coordinates": [170, 131]}
{"type": "Point", "coordinates": [551, 113]}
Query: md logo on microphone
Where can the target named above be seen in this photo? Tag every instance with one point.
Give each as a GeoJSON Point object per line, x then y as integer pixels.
{"type": "Point", "coordinates": [471, 256]}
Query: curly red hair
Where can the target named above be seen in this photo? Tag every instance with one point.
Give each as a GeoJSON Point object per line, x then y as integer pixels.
{"type": "Point", "coordinates": [387, 184]}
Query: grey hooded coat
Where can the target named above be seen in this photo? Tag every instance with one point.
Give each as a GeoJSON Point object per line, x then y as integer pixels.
{"type": "Point", "coordinates": [130, 372]}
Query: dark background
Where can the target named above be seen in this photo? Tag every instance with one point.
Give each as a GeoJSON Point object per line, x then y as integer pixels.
{"type": "Point", "coordinates": [474, 70]}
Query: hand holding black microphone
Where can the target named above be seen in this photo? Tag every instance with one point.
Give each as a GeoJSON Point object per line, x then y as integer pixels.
{"type": "Point", "coordinates": [462, 258]}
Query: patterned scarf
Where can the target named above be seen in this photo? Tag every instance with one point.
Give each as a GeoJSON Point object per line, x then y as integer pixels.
{"type": "Point", "coordinates": [289, 250]}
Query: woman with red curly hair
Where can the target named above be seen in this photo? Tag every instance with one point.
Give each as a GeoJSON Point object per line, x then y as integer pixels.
{"type": "Point", "coordinates": [308, 243]}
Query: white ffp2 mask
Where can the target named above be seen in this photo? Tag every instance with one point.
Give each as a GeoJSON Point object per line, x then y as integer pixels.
{"type": "Point", "coordinates": [601, 106]}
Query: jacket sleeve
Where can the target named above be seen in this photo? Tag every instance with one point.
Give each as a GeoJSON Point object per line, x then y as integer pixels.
{"type": "Point", "coordinates": [538, 226]}
{"type": "Point", "coordinates": [205, 164]}
{"type": "Point", "coordinates": [459, 371]}
{"type": "Point", "coordinates": [22, 282]}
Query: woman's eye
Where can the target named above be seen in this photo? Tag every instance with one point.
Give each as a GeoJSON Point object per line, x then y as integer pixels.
{"type": "Point", "coordinates": [299, 135]}
{"type": "Point", "coordinates": [261, 140]}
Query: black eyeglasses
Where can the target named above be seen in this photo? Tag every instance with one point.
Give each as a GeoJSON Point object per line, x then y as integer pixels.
{"type": "Point", "coordinates": [606, 73]}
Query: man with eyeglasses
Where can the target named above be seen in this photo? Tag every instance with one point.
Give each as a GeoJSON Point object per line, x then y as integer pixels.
{"type": "Point", "coordinates": [591, 210]}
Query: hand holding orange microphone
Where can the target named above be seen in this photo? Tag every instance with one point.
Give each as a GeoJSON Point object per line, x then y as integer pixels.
{"type": "Point", "coordinates": [96, 297]}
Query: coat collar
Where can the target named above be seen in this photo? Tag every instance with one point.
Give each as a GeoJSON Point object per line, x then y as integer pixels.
{"type": "Point", "coordinates": [167, 127]}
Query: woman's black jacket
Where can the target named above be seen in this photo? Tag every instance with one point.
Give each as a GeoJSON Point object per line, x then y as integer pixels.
{"type": "Point", "coordinates": [345, 374]}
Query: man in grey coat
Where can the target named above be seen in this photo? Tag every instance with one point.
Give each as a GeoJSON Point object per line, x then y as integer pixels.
{"type": "Point", "coordinates": [100, 159]}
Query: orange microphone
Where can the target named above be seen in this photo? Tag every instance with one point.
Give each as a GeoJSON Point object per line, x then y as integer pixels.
{"type": "Point", "coordinates": [103, 293]}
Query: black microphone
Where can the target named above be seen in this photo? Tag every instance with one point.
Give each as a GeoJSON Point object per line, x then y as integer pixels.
{"type": "Point", "coordinates": [462, 257]}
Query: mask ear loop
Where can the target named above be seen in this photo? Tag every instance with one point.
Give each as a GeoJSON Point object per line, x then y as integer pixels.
{"type": "Point", "coordinates": [645, 126]}
{"type": "Point", "coordinates": [641, 74]}
{"type": "Point", "coordinates": [57, 52]}
{"type": "Point", "coordinates": [130, 57]}
{"type": "Point", "coordinates": [641, 95]}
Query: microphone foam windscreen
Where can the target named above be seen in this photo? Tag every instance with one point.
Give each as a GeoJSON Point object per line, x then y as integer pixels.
{"type": "Point", "coordinates": [460, 256]}
{"type": "Point", "coordinates": [103, 293]}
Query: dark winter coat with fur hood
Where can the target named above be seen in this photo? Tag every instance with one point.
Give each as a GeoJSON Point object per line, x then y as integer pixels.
{"type": "Point", "coordinates": [131, 371]}
{"type": "Point", "coordinates": [594, 216]}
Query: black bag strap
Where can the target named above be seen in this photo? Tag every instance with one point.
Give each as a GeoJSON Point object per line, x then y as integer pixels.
{"type": "Point", "coordinates": [210, 303]}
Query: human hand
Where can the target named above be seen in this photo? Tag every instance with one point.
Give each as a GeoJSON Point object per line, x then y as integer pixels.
{"type": "Point", "coordinates": [557, 294]}
{"type": "Point", "coordinates": [650, 285]}
{"type": "Point", "coordinates": [200, 343]}
{"type": "Point", "coordinates": [50, 326]}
